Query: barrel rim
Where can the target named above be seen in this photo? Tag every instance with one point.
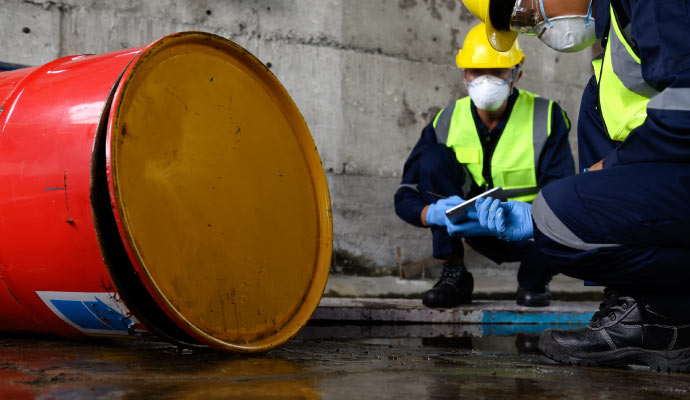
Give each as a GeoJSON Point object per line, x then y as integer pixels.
{"type": "Point", "coordinates": [115, 257]}
{"type": "Point", "coordinates": [322, 199]}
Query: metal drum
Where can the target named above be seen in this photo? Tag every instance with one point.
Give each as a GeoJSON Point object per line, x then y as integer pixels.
{"type": "Point", "coordinates": [173, 190]}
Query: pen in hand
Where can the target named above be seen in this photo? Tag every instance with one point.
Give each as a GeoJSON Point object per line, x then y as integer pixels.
{"type": "Point", "coordinates": [440, 196]}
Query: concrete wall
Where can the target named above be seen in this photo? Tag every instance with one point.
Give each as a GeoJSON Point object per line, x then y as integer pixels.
{"type": "Point", "coordinates": [366, 74]}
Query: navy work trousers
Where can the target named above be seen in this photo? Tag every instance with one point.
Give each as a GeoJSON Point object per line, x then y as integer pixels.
{"type": "Point", "coordinates": [625, 227]}
{"type": "Point", "coordinates": [444, 175]}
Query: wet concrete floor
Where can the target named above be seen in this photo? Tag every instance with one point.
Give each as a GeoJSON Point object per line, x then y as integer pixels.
{"type": "Point", "coordinates": [323, 362]}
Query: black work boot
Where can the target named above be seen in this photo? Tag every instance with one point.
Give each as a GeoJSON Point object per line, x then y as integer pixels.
{"type": "Point", "coordinates": [533, 298]}
{"type": "Point", "coordinates": [623, 332]}
{"type": "Point", "coordinates": [453, 288]}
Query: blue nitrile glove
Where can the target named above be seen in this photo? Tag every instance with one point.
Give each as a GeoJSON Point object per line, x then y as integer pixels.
{"type": "Point", "coordinates": [484, 207]}
{"type": "Point", "coordinates": [510, 221]}
{"type": "Point", "coordinates": [436, 213]}
{"type": "Point", "coordinates": [514, 221]}
{"type": "Point", "coordinates": [469, 228]}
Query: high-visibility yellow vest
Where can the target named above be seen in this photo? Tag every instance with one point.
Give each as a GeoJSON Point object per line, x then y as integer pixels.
{"type": "Point", "coordinates": [623, 92]}
{"type": "Point", "coordinates": [516, 157]}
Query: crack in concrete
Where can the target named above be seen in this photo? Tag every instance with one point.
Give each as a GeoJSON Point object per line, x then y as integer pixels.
{"type": "Point", "coordinates": [326, 42]}
{"type": "Point", "coordinates": [46, 5]}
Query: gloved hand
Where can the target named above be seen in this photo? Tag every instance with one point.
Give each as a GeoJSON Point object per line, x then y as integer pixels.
{"type": "Point", "coordinates": [436, 213]}
{"type": "Point", "coordinates": [469, 227]}
{"type": "Point", "coordinates": [510, 221]}
{"type": "Point", "coordinates": [484, 208]}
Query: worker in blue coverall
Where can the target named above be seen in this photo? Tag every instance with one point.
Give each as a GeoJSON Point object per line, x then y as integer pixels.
{"type": "Point", "coordinates": [624, 223]}
{"type": "Point", "coordinates": [497, 136]}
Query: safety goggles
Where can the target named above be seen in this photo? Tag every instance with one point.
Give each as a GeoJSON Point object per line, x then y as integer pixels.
{"type": "Point", "coordinates": [525, 17]}
{"type": "Point", "coordinates": [514, 72]}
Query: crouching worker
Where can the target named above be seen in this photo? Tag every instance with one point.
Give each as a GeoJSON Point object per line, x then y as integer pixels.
{"type": "Point", "coordinates": [498, 136]}
{"type": "Point", "coordinates": [624, 223]}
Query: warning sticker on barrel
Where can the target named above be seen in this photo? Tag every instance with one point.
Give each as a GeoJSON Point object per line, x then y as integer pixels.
{"type": "Point", "coordinates": [92, 313]}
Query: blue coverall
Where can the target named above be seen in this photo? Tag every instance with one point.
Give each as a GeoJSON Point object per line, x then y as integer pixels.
{"type": "Point", "coordinates": [433, 167]}
{"type": "Point", "coordinates": [628, 226]}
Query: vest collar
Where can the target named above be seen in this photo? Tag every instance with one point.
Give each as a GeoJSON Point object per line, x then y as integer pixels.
{"type": "Point", "coordinates": [481, 127]}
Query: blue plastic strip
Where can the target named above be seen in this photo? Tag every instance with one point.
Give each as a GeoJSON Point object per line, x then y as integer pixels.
{"type": "Point", "coordinates": [530, 329]}
{"type": "Point", "coordinates": [544, 318]}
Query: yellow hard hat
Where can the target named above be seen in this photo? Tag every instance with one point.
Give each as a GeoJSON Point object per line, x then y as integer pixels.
{"type": "Point", "coordinates": [502, 39]}
{"type": "Point", "coordinates": [476, 52]}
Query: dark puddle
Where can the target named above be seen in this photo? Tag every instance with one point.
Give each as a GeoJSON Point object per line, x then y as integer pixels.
{"type": "Point", "coordinates": [323, 362]}
{"type": "Point", "coordinates": [501, 338]}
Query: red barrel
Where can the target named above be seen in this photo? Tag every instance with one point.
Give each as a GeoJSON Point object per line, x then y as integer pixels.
{"type": "Point", "coordinates": [173, 190]}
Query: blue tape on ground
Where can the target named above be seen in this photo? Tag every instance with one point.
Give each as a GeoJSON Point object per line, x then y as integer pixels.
{"type": "Point", "coordinates": [530, 329]}
{"type": "Point", "coordinates": [542, 318]}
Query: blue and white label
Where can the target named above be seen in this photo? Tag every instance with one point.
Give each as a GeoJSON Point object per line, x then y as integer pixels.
{"type": "Point", "coordinates": [92, 313]}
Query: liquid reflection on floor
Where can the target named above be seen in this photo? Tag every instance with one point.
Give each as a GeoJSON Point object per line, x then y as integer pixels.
{"type": "Point", "coordinates": [55, 369]}
{"type": "Point", "coordinates": [323, 362]}
{"type": "Point", "coordinates": [505, 338]}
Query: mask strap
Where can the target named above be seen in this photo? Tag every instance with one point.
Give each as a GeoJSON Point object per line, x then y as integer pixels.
{"type": "Point", "coordinates": [468, 83]}
{"type": "Point", "coordinates": [516, 72]}
{"type": "Point", "coordinates": [589, 14]}
{"type": "Point", "coordinates": [543, 13]}
{"type": "Point", "coordinates": [513, 75]}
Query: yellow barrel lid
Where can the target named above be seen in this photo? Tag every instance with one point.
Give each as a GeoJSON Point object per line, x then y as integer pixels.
{"type": "Point", "coordinates": [218, 192]}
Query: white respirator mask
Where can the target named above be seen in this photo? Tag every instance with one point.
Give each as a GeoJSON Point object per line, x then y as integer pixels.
{"type": "Point", "coordinates": [568, 33]}
{"type": "Point", "coordinates": [488, 92]}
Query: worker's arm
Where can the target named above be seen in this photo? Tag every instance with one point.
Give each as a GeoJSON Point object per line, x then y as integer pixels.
{"type": "Point", "coordinates": [661, 30]}
{"type": "Point", "coordinates": [409, 203]}
{"type": "Point", "coordinates": [597, 166]}
{"type": "Point", "coordinates": [556, 159]}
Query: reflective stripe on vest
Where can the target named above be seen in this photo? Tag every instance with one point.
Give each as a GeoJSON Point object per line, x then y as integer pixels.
{"type": "Point", "coordinates": [671, 99]}
{"type": "Point", "coordinates": [623, 92]}
{"type": "Point", "coordinates": [517, 153]}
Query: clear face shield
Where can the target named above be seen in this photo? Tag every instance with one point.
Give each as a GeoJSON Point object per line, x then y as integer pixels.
{"type": "Point", "coordinates": [524, 17]}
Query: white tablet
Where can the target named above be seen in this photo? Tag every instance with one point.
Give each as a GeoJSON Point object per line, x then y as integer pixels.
{"type": "Point", "coordinates": [458, 213]}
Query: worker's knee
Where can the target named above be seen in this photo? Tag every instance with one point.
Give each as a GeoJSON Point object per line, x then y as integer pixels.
{"type": "Point", "coordinates": [558, 211]}
{"type": "Point", "coordinates": [561, 196]}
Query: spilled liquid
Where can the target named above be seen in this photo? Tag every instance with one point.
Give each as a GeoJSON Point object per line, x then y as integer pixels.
{"type": "Point", "coordinates": [324, 362]}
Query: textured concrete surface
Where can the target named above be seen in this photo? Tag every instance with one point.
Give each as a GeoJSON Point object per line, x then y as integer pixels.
{"type": "Point", "coordinates": [367, 76]}
{"type": "Point", "coordinates": [468, 367]}
{"type": "Point", "coordinates": [487, 282]}
{"type": "Point", "coordinates": [479, 312]}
